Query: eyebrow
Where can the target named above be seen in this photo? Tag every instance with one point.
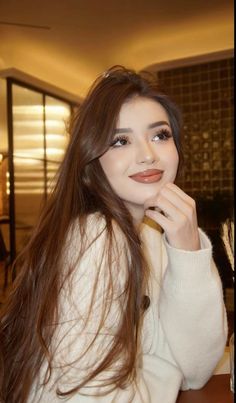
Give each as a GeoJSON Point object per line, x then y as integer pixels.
{"type": "Point", "coordinates": [151, 126]}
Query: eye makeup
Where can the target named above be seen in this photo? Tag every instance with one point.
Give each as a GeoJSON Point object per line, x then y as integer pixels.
{"type": "Point", "coordinates": [163, 134]}
{"type": "Point", "coordinates": [122, 139]}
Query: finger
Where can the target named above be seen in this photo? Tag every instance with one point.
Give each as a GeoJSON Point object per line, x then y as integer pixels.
{"type": "Point", "coordinates": [169, 202]}
{"type": "Point", "coordinates": [181, 193]}
{"type": "Point", "coordinates": [166, 207]}
{"type": "Point", "coordinates": [176, 200]}
{"type": "Point", "coordinates": [159, 218]}
{"type": "Point", "coordinates": [175, 190]}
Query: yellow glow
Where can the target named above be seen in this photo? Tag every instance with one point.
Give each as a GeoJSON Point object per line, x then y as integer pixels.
{"type": "Point", "coordinates": [29, 184]}
{"type": "Point", "coordinates": [29, 123]}
{"type": "Point", "coordinates": [29, 151]}
{"type": "Point", "coordinates": [29, 161]}
{"type": "Point", "coordinates": [25, 155]}
{"type": "Point", "coordinates": [59, 110]}
{"type": "Point", "coordinates": [29, 191]}
{"type": "Point", "coordinates": [38, 152]}
{"type": "Point", "coordinates": [8, 188]}
{"type": "Point", "coordinates": [39, 123]}
{"type": "Point", "coordinates": [30, 174]}
{"type": "Point", "coordinates": [39, 137]}
{"type": "Point", "coordinates": [55, 123]}
{"type": "Point", "coordinates": [54, 151]}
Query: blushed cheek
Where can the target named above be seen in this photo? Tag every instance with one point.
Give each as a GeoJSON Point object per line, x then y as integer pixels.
{"type": "Point", "coordinates": [172, 154]}
{"type": "Point", "coordinates": [176, 161]}
{"type": "Point", "coordinates": [172, 163]}
{"type": "Point", "coordinates": [106, 164]}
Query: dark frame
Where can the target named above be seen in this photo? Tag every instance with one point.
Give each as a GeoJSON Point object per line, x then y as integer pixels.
{"type": "Point", "coordinates": [10, 81]}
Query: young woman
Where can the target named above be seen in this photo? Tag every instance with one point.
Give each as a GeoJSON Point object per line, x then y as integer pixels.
{"type": "Point", "coordinates": [118, 299]}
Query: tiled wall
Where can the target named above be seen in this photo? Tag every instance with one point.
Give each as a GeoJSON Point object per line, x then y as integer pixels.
{"type": "Point", "coordinates": [204, 93]}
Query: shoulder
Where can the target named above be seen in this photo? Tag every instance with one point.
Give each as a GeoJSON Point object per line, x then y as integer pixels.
{"type": "Point", "coordinates": [96, 229]}
{"type": "Point", "coordinates": [93, 237]}
{"type": "Point", "coordinates": [93, 261]}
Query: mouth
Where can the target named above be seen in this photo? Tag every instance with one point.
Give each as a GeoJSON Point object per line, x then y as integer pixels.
{"type": "Point", "coordinates": [148, 176]}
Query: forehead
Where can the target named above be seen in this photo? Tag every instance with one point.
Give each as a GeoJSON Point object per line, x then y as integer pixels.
{"type": "Point", "coordinates": [141, 110]}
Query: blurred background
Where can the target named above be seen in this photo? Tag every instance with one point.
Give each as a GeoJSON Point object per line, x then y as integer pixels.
{"type": "Point", "coordinates": [51, 52]}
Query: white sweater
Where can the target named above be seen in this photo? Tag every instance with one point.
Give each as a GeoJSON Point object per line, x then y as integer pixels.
{"type": "Point", "coordinates": [184, 329]}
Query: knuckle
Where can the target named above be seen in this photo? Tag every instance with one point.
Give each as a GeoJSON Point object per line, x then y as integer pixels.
{"type": "Point", "coordinates": [190, 212]}
{"type": "Point", "coordinates": [193, 203]}
{"type": "Point", "coordinates": [159, 199]}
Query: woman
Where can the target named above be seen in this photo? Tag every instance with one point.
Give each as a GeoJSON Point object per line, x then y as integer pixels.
{"type": "Point", "coordinates": [117, 299]}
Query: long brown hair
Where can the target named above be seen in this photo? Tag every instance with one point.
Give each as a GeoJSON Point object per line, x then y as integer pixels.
{"type": "Point", "coordinates": [81, 189]}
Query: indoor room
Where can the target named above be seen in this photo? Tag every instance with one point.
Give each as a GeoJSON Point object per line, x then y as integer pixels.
{"type": "Point", "coordinates": [50, 55]}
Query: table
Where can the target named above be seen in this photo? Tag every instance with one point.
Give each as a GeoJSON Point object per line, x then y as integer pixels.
{"type": "Point", "coordinates": [217, 390]}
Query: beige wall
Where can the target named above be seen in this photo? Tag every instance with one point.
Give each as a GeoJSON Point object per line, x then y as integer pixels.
{"type": "Point", "coordinates": [73, 64]}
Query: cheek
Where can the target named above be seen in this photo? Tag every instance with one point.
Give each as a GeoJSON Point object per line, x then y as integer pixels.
{"type": "Point", "coordinates": [172, 158]}
{"type": "Point", "coordinates": [175, 165]}
{"type": "Point", "coordinates": [112, 164]}
{"type": "Point", "coordinates": [106, 163]}
{"type": "Point", "coordinates": [171, 164]}
{"type": "Point", "coordinates": [176, 160]}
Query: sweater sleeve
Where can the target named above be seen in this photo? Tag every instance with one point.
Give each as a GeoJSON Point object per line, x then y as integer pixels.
{"type": "Point", "coordinates": [192, 312]}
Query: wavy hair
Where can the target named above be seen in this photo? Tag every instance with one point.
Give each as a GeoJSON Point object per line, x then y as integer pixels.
{"type": "Point", "coordinates": [81, 189]}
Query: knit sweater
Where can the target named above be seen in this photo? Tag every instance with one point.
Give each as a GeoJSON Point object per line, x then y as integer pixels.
{"type": "Point", "coordinates": [184, 329]}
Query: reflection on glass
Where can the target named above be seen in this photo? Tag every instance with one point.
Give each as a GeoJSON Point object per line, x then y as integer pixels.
{"type": "Point", "coordinates": [39, 142]}
{"type": "Point", "coordinates": [57, 115]}
{"type": "Point", "coordinates": [28, 159]}
{"type": "Point", "coordinates": [28, 139]}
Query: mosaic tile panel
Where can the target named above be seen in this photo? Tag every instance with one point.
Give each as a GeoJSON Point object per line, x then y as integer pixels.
{"type": "Point", "coordinates": [204, 93]}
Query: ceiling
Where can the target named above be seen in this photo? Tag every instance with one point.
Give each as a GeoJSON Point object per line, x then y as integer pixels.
{"type": "Point", "coordinates": [76, 40]}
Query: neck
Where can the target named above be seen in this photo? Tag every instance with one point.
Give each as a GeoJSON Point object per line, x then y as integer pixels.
{"type": "Point", "coordinates": [137, 214]}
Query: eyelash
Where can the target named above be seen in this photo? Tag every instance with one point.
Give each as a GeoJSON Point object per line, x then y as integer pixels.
{"type": "Point", "coordinates": [119, 138]}
{"type": "Point", "coordinates": [163, 132]}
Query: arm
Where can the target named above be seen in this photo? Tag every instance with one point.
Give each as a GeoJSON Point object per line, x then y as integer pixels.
{"type": "Point", "coordinates": [192, 312]}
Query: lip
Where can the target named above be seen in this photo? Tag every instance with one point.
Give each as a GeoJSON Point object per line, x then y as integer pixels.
{"type": "Point", "coordinates": [148, 176]}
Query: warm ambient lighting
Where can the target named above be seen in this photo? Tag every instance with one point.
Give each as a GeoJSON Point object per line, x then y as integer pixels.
{"type": "Point", "coordinates": [30, 124]}
{"type": "Point", "coordinates": [27, 161]}
{"type": "Point", "coordinates": [7, 183]}
{"type": "Point", "coordinates": [31, 175]}
{"type": "Point", "coordinates": [39, 123]}
{"type": "Point", "coordinates": [37, 152]}
{"type": "Point", "coordinates": [38, 137]}
{"type": "Point", "coordinates": [40, 109]}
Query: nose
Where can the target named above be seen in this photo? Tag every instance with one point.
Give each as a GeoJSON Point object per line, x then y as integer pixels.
{"type": "Point", "coordinates": [146, 154]}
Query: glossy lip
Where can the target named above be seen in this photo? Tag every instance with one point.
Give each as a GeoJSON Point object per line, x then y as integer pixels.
{"type": "Point", "coordinates": [148, 176]}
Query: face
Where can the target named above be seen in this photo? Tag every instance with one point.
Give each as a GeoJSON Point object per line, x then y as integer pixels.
{"type": "Point", "coordinates": [142, 157]}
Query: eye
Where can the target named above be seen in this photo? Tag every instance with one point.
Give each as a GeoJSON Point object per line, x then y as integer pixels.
{"type": "Point", "coordinates": [119, 141]}
{"type": "Point", "coordinates": [162, 135]}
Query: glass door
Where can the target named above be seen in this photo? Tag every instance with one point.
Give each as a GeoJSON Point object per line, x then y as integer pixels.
{"type": "Point", "coordinates": [39, 139]}
{"type": "Point", "coordinates": [28, 160]}
{"type": "Point", "coordinates": [57, 114]}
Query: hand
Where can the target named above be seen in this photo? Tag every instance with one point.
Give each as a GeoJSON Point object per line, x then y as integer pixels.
{"type": "Point", "coordinates": [175, 212]}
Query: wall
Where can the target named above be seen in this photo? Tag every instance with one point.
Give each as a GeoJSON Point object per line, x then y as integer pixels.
{"type": "Point", "coordinates": [204, 93]}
